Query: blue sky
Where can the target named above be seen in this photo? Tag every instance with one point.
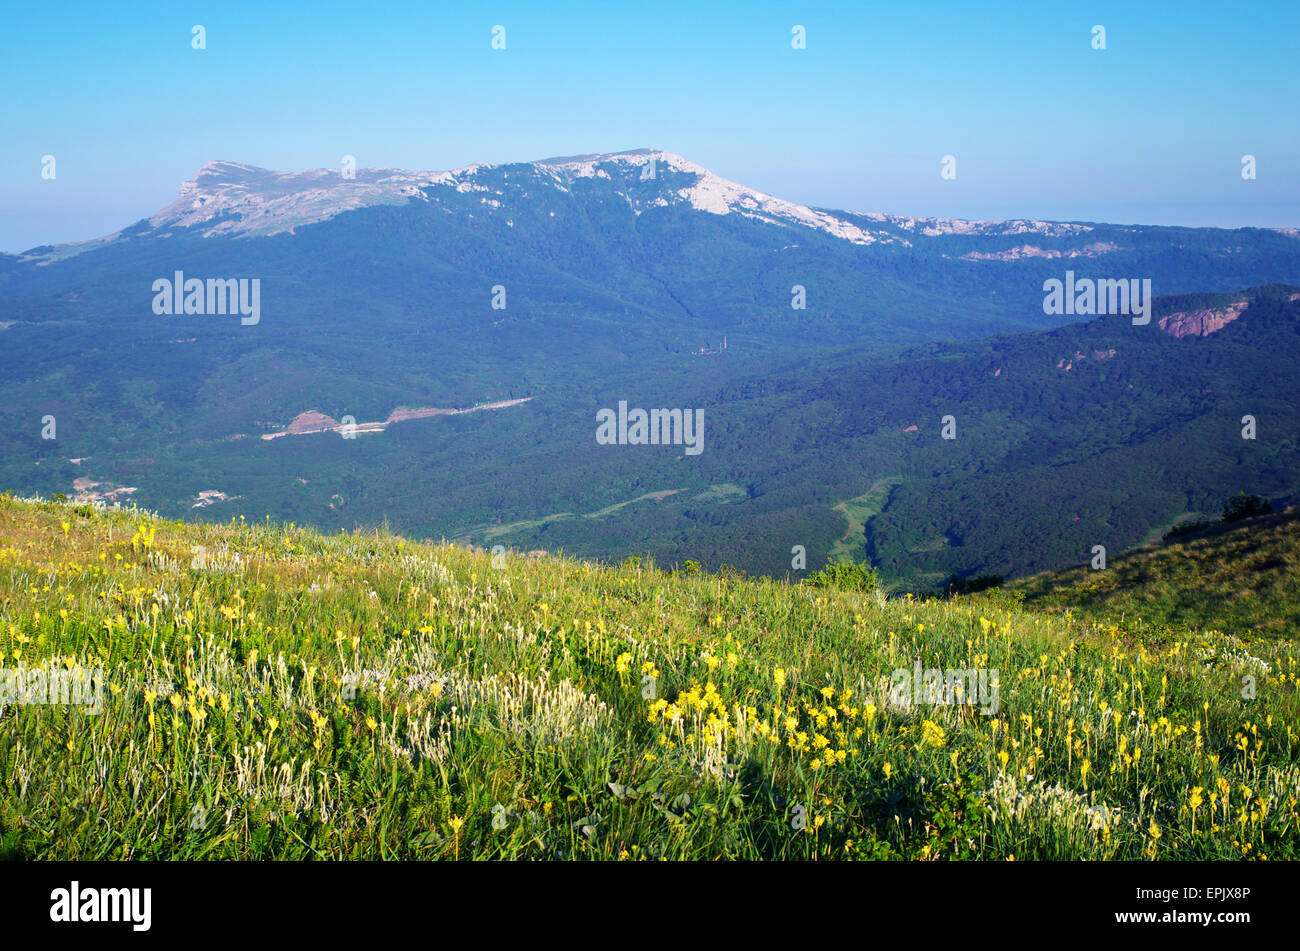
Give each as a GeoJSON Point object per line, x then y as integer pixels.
{"type": "Point", "coordinates": [1150, 130]}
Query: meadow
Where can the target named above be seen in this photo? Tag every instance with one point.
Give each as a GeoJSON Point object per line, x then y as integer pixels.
{"type": "Point", "coordinates": [1245, 576]}
{"type": "Point", "coordinates": [272, 692]}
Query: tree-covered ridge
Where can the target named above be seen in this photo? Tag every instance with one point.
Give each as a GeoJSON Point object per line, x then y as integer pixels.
{"type": "Point", "coordinates": [605, 300]}
{"type": "Point", "coordinates": [1237, 576]}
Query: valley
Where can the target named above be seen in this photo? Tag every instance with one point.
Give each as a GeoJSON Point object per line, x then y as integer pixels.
{"type": "Point", "coordinates": [549, 292]}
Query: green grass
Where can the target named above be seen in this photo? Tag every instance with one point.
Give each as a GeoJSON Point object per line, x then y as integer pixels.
{"type": "Point", "coordinates": [1239, 577]}
{"type": "Point", "coordinates": [493, 533]}
{"type": "Point", "coordinates": [362, 696]}
{"type": "Point", "coordinates": [859, 511]}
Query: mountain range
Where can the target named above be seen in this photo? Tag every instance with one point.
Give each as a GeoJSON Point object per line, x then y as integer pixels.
{"type": "Point", "coordinates": [538, 294]}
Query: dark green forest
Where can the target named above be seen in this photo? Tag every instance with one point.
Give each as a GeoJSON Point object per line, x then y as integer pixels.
{"type": "Point", "coordinates": [805, 410]}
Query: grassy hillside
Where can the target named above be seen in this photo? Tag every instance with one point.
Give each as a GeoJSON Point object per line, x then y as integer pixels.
{"type": "Point", "coordinates": [272, 692]}
{"type": "Point", "coordinates": [1240, 577]}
